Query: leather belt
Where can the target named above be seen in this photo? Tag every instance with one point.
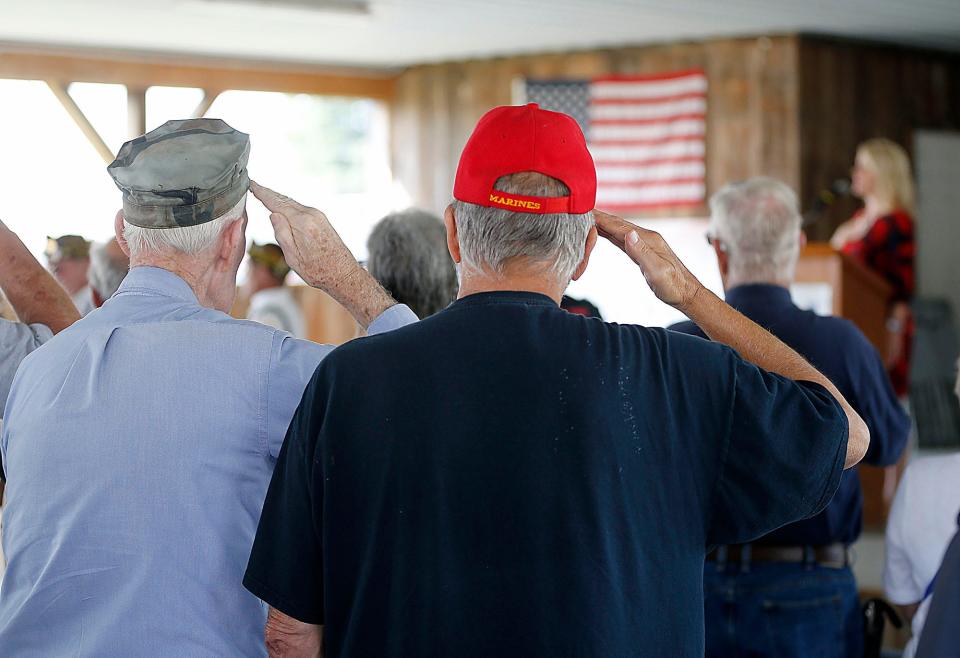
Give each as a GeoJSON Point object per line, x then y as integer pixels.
{"type": "Point", "coordinates": [831, 555]}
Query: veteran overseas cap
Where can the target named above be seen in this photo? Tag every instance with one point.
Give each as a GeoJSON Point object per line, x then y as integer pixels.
{"type": "Point", "coordinates": [184, 173]}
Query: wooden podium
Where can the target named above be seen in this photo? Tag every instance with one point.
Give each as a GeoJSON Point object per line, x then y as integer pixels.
{"type": "Point", "coordinates": [859, 294]}
{"type": "Point", "coordinates": [863, 297]}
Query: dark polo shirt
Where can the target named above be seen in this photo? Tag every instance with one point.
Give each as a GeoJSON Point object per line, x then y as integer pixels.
{"type": "Point", "coordinates": [508, 479]}
{"type": "Point", "coordinates": [843, 354]}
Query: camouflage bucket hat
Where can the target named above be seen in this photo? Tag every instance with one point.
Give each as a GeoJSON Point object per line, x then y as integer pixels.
{"type": "Point", "coordinates": [184, 173]}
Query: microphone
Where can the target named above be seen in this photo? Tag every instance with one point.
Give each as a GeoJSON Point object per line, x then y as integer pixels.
{"type": "Point", "coordinates": [826, 198]}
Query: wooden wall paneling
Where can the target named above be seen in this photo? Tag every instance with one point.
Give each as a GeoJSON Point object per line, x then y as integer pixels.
{"type": "Point", "coordinates": [751, 98]}
{"type": "Point", "coordinates": [778, 147]}
{"type": "Point", "coordinates": [852, 91]}
{"type": "Point", "coordinates": [425, 118]}
{"type": "Point", "coordinates": [404, 135]}
{"type": "Point", "coordinates": [793, 107]}
{"type": "Point", "coordinates": [439, 131]}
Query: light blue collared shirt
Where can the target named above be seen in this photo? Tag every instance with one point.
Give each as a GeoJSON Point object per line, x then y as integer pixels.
{"type": "Point", "coordinates": [138, 446]}
{"type": "Point", "coordinates": [17, 340]}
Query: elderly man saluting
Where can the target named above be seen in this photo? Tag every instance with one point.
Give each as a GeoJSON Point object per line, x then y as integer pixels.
{"type": "Point", "coordinates": [537, 483]}
{"type": "Point", "coordinates": [796, 581]}
{"type": "Point", "coordinates": [139, 443]}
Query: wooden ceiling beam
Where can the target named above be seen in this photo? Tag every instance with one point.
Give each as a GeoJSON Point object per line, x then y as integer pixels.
{"type": "Point", "coordinates": [143, 72]}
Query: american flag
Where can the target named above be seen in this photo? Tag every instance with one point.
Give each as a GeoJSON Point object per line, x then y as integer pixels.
{"type": "Point", "coordinates": [646, 134]}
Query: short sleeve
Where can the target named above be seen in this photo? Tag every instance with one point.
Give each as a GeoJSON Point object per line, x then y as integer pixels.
{"type": "Point", "coordinates": [292, 362]}
{"type": "Point", "coordinates": [871, 394]}
{"type": "Point", "coordinates": [17, 340]}
{"type": "Point", "coordinates": [784, 455]}
{"type": "Point", "coordinates": [899, 581]}
{"type": "Point", "coordinates": [286, 563]}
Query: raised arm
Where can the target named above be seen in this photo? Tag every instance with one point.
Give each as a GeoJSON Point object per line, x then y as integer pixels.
{"type": "Point", "coordinates": [313, 250]}
{"type": "Point", "coordinates": [34, 294]}
{"type": "Point", "coordinates": [673, 284]}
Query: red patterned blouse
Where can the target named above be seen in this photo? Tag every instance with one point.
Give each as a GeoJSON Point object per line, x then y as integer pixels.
{"type": "Point", "coordinates": [888, 248]}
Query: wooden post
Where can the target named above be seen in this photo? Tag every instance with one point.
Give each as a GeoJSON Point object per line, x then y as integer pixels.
{"type": "Point", "coordinates": [136, 111]}
{"type": "Point", "coordinates": [60, 91]}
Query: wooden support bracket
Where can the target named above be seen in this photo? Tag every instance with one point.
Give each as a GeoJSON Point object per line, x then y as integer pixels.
{"type": "Point", "coordinates": [209, 96]}
{"type": "Point", "coordinates": [59, 90]}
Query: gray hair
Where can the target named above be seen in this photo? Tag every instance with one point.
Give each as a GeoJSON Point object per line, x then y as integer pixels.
{"type": "Point", "coordinates": [106, 273]}
{"type": "Point", "coordinates": [492, 237]}
{"type": "Point", "coordinates": [185, 240]}
{"type": "Point", "coordinates": [409, 257]}
{"type": "Point", "coordinates": [758, 222]}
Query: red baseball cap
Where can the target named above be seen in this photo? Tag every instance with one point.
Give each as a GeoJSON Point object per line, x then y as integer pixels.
{"type": "Point", "coordinates": [512, 139]}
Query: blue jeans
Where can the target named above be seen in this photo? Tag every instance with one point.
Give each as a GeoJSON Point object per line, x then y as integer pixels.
{"type": "Point", "coordinates": [781, 610]}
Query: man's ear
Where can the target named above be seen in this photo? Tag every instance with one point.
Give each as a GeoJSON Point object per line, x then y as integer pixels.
{"type": "Point", "coordinates": [118, 229]}
{"type": "Point", "coordinates": [453, 241]}
{"type": "Point", "coordinates": [803, 239]}
{"type": "Point", "coordinates": [233, 244]}
{"type": "Point", "coordinates": [723, 259]}
{"type": "Point", "coordinates": [587, 250]}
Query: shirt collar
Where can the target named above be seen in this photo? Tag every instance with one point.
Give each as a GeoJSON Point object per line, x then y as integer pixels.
{"type": "Point", "coordinates": [769, 295]}
{"type": "Point", "coordinates": [158, 281]}
{"type": "Point", "coordinates": [505, 297]}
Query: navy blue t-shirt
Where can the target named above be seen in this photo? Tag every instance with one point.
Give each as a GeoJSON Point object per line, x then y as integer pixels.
{"type": "Point", "coordinates": [509, 479]}
{"type": "Point", "coordinates": [839, 350]}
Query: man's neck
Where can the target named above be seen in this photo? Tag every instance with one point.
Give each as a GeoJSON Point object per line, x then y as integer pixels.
{"type": "Point", "coordinates": [473, 283]}
{"type": "Point", "coordinates": [194, 277]}
{"type": "Point", "coordinates": [730, 284]}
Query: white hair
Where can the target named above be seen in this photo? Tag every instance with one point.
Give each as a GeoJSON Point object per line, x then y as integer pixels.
{"type": "Point", "coordinates": [492, 237]}
{"type": "Point", "coordinates": [758, 224]}
{"type": "Point", "coordinates": [185, 240]}
{"type": "Point", "coordinates": [106, 273]}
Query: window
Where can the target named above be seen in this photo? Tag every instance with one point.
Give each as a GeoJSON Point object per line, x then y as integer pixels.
{"type": "Point", "coordinates": [326, 152]}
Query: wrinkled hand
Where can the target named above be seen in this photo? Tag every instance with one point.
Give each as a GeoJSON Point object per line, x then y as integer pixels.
{"type": "Point", "coordinates": [668, 278]}
{"type": "Point", "coordinates": [311, 246]}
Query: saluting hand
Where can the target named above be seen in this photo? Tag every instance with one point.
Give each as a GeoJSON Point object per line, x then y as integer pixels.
{"type": "Point", "coordinates": [314, 250]}
{"type": "Point", "coordinates": [311, 246]}
{"type": "Point", "coordinates": [668, 278]}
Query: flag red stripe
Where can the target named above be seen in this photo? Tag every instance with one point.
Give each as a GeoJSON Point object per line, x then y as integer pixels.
{"type": "Point", "coordinates": [648, 163]}
{"type": "Point", "coordinates": [652, 183]}
{"type": "Point", "coordinates": [646, 122]}
{"type": "Point", "coordinates": [686, 139]}
{"type": "Point", "coordinates": [649, 205]}
{"type": "Point", "coordinates": [648, 101]}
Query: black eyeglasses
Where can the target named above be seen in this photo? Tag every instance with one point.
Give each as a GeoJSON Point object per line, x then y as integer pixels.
{"type": "Point", "coordinates": [713, 240]}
